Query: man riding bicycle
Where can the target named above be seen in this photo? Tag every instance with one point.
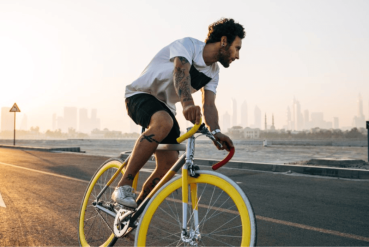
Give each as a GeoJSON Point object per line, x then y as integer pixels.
{"type": "Point", "coordinates": [178, 70]}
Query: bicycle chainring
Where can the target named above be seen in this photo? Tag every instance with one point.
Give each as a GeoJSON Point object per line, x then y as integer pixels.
{"type": "Point", "coordinates": [121, 222]}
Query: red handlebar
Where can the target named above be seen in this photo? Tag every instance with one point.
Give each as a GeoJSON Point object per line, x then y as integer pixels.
{"type": "Point", "coordinates": [223, 162]}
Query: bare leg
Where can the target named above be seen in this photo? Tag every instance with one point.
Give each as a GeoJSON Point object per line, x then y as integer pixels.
{"type": "Point", "coordinates": [164, 161]}
{"type": "Point", "coordinates": [160, 125]}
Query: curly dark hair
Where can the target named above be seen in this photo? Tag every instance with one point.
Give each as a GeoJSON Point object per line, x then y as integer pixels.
{"type": "Point", "coordinates": [225, 27]}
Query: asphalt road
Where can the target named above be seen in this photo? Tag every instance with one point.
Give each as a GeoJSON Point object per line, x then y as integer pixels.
{"type": "Point", "coordinates": [41, 193]}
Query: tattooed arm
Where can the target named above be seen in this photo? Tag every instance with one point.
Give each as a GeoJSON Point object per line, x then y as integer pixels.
{"type": "Point", "coordinates": [212, 119]}
{"type": "Point", "coordinates": [182, 84]}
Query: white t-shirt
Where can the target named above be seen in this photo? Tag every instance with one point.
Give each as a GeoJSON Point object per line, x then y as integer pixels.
{"type": "Point", "coordinates": [157, 78]}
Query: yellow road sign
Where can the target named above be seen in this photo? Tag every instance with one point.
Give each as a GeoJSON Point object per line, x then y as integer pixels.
{"type": "Point", "coordinates": [14, 108]}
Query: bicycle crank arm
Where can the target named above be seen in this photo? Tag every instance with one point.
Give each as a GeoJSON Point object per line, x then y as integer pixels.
{"type": "Point", "coordinates": [106, 211]}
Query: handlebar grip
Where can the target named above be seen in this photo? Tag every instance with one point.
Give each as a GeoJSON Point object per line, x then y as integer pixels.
{"type": "Point", "coordinates": [189, 133]}
{"type": "Point", "coordinates": [223, 162]}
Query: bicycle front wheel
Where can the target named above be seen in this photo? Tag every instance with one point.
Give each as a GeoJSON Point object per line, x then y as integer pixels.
{"type": "Point", "coordinates": [96, 226]}
{"type": "Point", "coordinates": [224, 214]}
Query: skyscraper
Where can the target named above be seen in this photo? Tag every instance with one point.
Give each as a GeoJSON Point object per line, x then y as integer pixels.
{"type": "Point", "coordinates": [257, 117]}
{"type": "Point", "coordinates": [226, 122]}
{"type": "Point", "coordinates": [359, 119]}
{"type": "Point", "coordinates": [272, 128]}
{"type": "Point", "coordinates": [244, 115]}
{"type": "Point", "coordinates": [336, 123]}
{"type": "Point", "coordinates": [289, 119]}
{"type": "Point", "coordinates": [234, 112]}
{"type": "Point", "coordinates": [297, 118]}
{"type": "Point", "coordinates": [317, 119]}
{"type": "Point", "coordinates": [70, 117]}
{"type": "Point", "coordinates": [95, 122]}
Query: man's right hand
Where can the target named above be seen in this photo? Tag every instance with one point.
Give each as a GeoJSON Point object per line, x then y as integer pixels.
{"type": "Point", "coordinates": [192, 113]}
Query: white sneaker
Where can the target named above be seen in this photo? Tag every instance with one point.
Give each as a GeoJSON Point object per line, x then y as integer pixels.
{"type": "Point", "coordinates": [125, 196]}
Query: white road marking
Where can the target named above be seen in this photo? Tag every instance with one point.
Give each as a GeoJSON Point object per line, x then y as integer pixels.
{"type": "Point", "coordinates": [281, 222]}
{"type": "Point", "coordinates": [2, 203]}
{"type": "Point", "coordinates": [61, 176]}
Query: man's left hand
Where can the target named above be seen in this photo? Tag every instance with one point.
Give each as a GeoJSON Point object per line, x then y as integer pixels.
{"type": "Point", "coordinates": [224, 140]}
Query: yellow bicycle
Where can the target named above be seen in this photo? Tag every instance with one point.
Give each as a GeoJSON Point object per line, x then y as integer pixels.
{"type": "Point", "coordinates": [196, 208]}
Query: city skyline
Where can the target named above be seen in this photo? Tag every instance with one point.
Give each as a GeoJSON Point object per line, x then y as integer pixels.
{"type": "Point", "coordinates": [286, 53]}
{"type": "Point", "coordinates": [299, 118]}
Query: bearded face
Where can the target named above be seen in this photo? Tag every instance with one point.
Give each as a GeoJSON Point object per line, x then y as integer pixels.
{"type": "Point", "coordinates": [224, 56]}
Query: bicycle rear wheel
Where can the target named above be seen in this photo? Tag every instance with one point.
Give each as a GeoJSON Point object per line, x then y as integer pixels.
{"type": "Point", "coordinates": [95, 226]}
{"type": "Point", "coordinates": [225, 215]}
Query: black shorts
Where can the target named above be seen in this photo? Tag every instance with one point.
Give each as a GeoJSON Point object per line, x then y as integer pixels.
{"type": "Point", "coordinates": [141, 107]}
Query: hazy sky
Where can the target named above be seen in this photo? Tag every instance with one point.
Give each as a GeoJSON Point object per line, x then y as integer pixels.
{"type": "Point", "coordinates": [83, 53]}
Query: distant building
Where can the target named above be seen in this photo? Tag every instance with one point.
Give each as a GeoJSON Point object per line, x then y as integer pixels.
{"type": "Point", "coordinates": [244, 114]}
{"type": "Point", "coordinates": [69, 120]}
{"type": "Point", "coordinates": [289, 119]}
{"type": "Point", "coordinates": [257, 117]}
{"type": "Point", "coordinates": [336, 123]}
{"type": "Point", "coordinates": [317, 119]}
{"type": "Point", "coordinates": [359, 120]}
{"type": "Point", "coordinates": [249, 133]}
{"type": "Point", "coordinates": [105, 133]}
{"type": "Point", "coordinates": [94, 121]}
{"type": "Point", "coordinates": [297, 118]}
{"type": "Point", "coordinates": [7, 119]}
{"type": "Point", "coordinates": [234, 112]}
{"type": "Point", "coordinates": [226, 122]}
{"type": "Point", "coordinates": [272, 128]}
{"type": "Point", "coordinates": [236, 132]}
{"type": "Point", "coordinates": [70, 117]}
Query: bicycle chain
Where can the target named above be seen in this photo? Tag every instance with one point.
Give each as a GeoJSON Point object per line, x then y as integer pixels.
{"type": "Point", "coordinates": [104, 220]}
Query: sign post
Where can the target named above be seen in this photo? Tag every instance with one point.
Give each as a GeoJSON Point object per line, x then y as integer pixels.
{"type": "Point", "coordinates": [14, 109]}
{"type": "Point", "coordinates": [367, 127]}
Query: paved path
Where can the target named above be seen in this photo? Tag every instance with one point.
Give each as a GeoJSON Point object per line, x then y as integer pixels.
{"type": "Point", "coordinates": [43, 191]}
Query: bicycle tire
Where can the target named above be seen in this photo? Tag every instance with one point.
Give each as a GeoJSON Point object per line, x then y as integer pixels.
{"type": "Point", "coordinates": [97, 223]}
{"type": "Point", "coordinates": [161, 223]}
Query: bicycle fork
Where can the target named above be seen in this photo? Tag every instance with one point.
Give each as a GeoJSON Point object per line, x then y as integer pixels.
{"type": "Point", "coordinates": [190, 234]}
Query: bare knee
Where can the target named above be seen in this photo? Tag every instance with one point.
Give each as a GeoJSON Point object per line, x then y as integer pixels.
{"type": "Point", "coordinates": [161, 122]}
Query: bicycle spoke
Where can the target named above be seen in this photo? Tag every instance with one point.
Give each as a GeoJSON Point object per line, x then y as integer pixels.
{"type": "Point", "coordinates": [222, 211]}
{"type": "Point", "coordinates": [226, 223]}
{"type": "Point", "coordinates": [222, 230]}
{"type": "Point", "coordinates": [215, 210]}
{"type": "Point", "coordinates": [209, 205]}
{"type": "Point", "coordinates": [91, 218]}
{"type": "Point", "coordinates": [169, 214]}
{"type": "Point", "coordinates": [175, 214]}
{"type": "Point", "coordinates": [220, 223]}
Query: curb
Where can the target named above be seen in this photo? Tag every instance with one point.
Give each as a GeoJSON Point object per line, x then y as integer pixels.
{"type": "Point", "coordinates": [307, 170]}
{"type": "Point", "coordinates": [62, 149]}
